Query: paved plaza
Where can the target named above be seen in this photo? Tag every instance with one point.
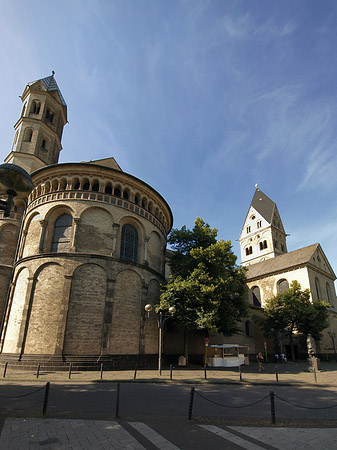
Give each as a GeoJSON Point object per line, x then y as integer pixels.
{"type": "Point", "coordinates": [167, 433]}
{"type": "Point", "coordinates": [52, 434]}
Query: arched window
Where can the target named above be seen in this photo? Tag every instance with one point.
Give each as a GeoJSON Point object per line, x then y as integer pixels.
{"type": "Point", "coordinates": [328, 294]}
{"type": "Point", "coordinates": [28, 135]}
{"type": "Point", "coordinates": [247, 327]}
{"type": "Point", "coordinates": [129, 243]}
{"type": "Point", "coordinates": [62, 233]}
{"type": "Point", "coordinates": [95, 186]}
{"type": "Point", "coordinates": [126, 194]}
{"type": "Point", "coordinates": [263, 245]}
{"type": "Point", "coordinates": [86, 186]}
{"type": "Point", "coordinates": [50, 115]}
{"type": "Point", "coordinates": [35, 108]}
{"type": "Point", "coordinates": [108, 189]}
{"type": "Point", "coordinates": [256, 296]}
{"type": "Point", "coordinates": [318, 289]}
{"type": "Point", "coordinates": [282, 285]}
{"type": "Point", "coordinates": [117, 192]}
{"type": "Point", "coordinates": [249, 250]}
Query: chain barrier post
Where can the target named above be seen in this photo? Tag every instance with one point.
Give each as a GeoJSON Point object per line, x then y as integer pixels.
{"type": "Point", "coordinates": [38, 371]}
{"type": "Point", "coordinates": [272, 407]}
{"type": "Point", "coordinates": [5, 370]}
{"type": "Point", "coordinates": [45, 400]}
{"type": "Point", "coordinates": [117, 401]}
{"type": "Point", "coordinates": [190, 408]}
{"type": "Point", "coordinates": [205, 372]}
{"type": "Point", "coordinates": [171, 370]}
{"type": "Point", "coordinates": [315, 376]}
{"type": "Point", "coordinates": [240, 373]}
{"type": "Point", "coordinates": [69, 374]}
{"type": "Point", "coordinates": [135, 373]}
{"type": "Point", "coordinates": [101, 375]}
{"type": "Point", "coordinates": [276, 373]}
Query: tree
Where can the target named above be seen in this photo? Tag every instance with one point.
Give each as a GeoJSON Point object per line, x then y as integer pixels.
{"type": "Point", "coordinates": [292, 310]}
{"type": "Point", "coordinates": [205, 285]}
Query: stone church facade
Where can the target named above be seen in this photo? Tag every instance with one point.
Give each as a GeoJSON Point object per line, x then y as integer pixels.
{"type": "Point", "coordinates": [87, 251]}
{"type": "Point", "coordinates": [91, 253]}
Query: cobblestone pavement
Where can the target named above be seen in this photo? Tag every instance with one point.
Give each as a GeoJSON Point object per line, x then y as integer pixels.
{"type": "Point", "coordinates": [53, 434]}
{"type": "Point", "coordinates": [290, 373]}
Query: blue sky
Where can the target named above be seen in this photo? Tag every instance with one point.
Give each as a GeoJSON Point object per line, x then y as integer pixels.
{"type": "Point", "coordinates": [200, 99]}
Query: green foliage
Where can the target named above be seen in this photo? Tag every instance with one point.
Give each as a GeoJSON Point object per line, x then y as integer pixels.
{"type": "Point", "coordinates": [293, 310]}
{"type": "Point", "coordinates": [204, 281]}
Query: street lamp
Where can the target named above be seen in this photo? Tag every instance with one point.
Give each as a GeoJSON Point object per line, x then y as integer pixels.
{"type": "Point", "coordinates": [332, 334]}
{"type": "Point", "coordinates": [14, 182]}
{"type": "Point", "coordinates": [161, 319]}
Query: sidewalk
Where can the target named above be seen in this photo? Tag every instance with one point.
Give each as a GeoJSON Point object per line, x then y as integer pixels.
{"type": "Point", "coordinates": [291, 373]}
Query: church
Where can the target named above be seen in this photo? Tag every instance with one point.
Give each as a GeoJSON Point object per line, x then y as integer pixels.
{"type": "Point", "coordinates": [86, 252]}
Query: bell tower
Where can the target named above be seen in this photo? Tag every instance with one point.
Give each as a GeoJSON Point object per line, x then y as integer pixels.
{"type": "Point", "coordinates": [262, 234]}
{"type": "Point", "coordinates": [38, 132]}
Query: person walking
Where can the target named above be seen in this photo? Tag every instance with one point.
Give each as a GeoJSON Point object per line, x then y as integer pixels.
{"type": "Point", "coordinates": [260, 360]}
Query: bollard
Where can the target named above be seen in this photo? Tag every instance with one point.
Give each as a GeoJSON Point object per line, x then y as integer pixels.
{"type": "Point", "coordinates": [117, 401]}
{"type": "Point", "coordinates": [171, 367]}
{"type": "Point", "coordinates": [272, 407]}
{"type": "Point", "coordinates": [69, 374]}
{"type": "Point", "coordinates": [190, 408]}
{"type": "Point", "coordinates": [38, 371]}
{"type": "Point", "coordinates": [5, 370]}
{"type": "Point", "coordinates": [276, 373]}
{"type": "Point", "coordinates": [240, 373]}
{"type": "Point", "coordinates": [101, 376]}
{"type": "Point", "coordinates": [45, 400]}
{"type": "Point", "coordinates": [205, 372]}
{"type": "Point", "coordinates": [135, 374]}
{"type": "Point", "coordinates": [315, 376]}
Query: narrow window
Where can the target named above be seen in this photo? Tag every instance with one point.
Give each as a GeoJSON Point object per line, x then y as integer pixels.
{"type": "Point", "coordinates": [282, 285]}
{"type": "Point", "coordinates": [86, 186]}
{"type": "Point", "coordinates": [256, 296]}
{"type": "Point", "coordinates": [259, 224]}
{"type": "Point", "coordinates": [263, 245]}
{"type": "Point", "coordinates": [117, 192]}
{"type": "Point", "coordinates": [108, 190]}
{"type": "Point", "coordinates": [28, 135]}
{"type": "Point", "coordinates": [318, 288]}
{"type": "Point", "coordinates": [248, 229]}
{"type": "Point", "coordinates": [129, 243]}
{"type": "Point", "coordinates": [62, 233]}
{"type": "Point", "coordinates": [95, 187]}
{"type": "Point", "coordinates": [328, 294]}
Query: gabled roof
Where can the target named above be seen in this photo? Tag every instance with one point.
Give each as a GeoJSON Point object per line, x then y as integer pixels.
{"type": "Point", "coordinates": [50, 84]}
{"type": "Point", "coordinates": [263, 205]}
{"type": "Point", "coordinates": [286, 262]}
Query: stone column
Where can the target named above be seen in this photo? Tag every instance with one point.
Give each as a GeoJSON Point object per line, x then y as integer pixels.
{"type": "Point", "coordinates": [146, 243]}
{"type": "Point", "coordinates": [22, 243]}
{"type": "Point", "coordinates": [76, 222]}
{"type": "Point", "coordinates": [61, 332]}
{"type": "Point", "coordinates": [107, 319]}
{"type": "Point", "coordinates": [115, 230]}
{"type": "Point", "coordinates": [43, 224]}
{"type": "Point", "coordinates": [25, 316]}
{"type": "Point", "coordinates": [142, 320]}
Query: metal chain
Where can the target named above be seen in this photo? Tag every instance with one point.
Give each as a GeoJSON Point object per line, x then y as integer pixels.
{"type": "Point", "coordinates": [24, 395]}
{"type": "Point", "coordinates": [306, 407]}
{"type": "Point", "coordinates": [228, 406]}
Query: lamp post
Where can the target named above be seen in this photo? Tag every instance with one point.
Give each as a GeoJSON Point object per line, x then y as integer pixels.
{"type": "Point", "coordinates": [332, 334]}
{"type": "Point", "coordinates": [14, 182]}
{"type": "Point", "coordinates": [161, 319]}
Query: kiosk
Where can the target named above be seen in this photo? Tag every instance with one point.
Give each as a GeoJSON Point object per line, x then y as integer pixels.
{"type": "Point", "coordinates": [227, 355]}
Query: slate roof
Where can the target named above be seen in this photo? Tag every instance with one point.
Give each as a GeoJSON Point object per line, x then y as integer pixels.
{"type": "Point", "coordinates": [263, 205]}
{"type": "Point", "coordinates": [282, 263]}
{"type": "Point", "coordinates": [50, 85]}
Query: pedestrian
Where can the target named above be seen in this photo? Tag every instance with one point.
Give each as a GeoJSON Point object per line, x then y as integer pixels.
{"type": "Point", "coordinates": [283, 358]}
{"type": "Point", "coordinates": [276, 358]}
{"type": "Point", "coordinates": [260, 360]}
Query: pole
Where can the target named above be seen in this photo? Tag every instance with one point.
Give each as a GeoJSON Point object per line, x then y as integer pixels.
{"type": "Point", "coordinates": [117, 401]}
{"type": "Point", "coordinates": [160, 343]}
{"type": "Point", "coordinates": [5, 370]}
{"type": "Point", "coordinates": [190, 408]}
{"type": "Point", "coordinates": [45, 400]}
{"type": "Point", "coordinates": [272, 407]}
{"type": "Point", "coordinates": [101, 371]}
{"type": "Point", "coordinates": [38, 371]}
{"type": "Point", "coordinates": [276, 373]}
